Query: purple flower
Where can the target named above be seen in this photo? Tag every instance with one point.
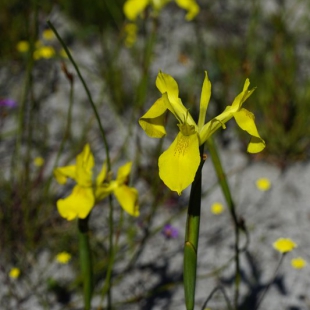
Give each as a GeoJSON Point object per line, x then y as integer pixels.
{"type": "Point", "coordinates": [170, 232]}
{"type": "Point", "coordinates": [9, 103]}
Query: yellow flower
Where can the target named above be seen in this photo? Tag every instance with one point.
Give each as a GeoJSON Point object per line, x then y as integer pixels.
{"type": "Point", "coordinates": [284, 245]}
{"type": "Point", "coordinates": [298, 263]}
{"type": "Point", "coordinates": [131, 34]}
{"type": "Point", "coordinates": [217, 208]}
{"type": "Point", "coordinates": [85, 194]}
{"type": "Point", "coordinates": [14, 273]}
{"type": "Point", "coordinates": [179, 163]}
{"type": "Point", "coordinates": [22, 46]}
{"type": "Point", "coordinates": [45, 52]}
{"type": "Point", "coordinates": [133, 8]}
{"type": "Point", "coordinates": [263, 184]}
{"type": "Point", "coordinates": [38, 161]}
{"type": "Point", "coordinates": [48, 34]}
{"type": "Point", "coordinates": [63, 257]}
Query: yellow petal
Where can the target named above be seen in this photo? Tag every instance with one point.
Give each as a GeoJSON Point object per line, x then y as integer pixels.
{"type": "Point", "coordinates": [284, 245]}
{"type": "Point", "coordinates": [105, 190]}
{"type": "Point", "coordinates": [179, 163]}
{"type": "Point", "coordinates": [204, 100]}
{"type": "Point", "coordinates": [132, 8]}
{"type": "Point", "coordinates": [242, 97]}
{"type": "Point", "coordinates": [152, 122]}
{"type": "Point", "coordinates": [246, 121]}
{"type": "Point", "coordinates": [123, 173]}
{"type": "Point", "coordinates": [62, 173]}
{"type": "Point", "coordinates": [78, 204]}
{"type": "Point", "coordinates": [191, 6]}
{"type": "Point", "coordinates": [102, 174]}
{"type": "Point", "coordinates": [128, 199]}
{"type": "Point", "coordinates": [298, 263]}
{"type": "Point", "coordinates": [167, 84]}
{"type": "Point", "coordinates": [84, 165]}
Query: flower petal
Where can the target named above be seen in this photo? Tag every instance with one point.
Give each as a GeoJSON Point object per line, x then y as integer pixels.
{"type": "Point", "coordinates": [152, 122]}
{"type": "Point", "coordinates": [62, 173]}
{"type": "Point", "coordinates": [128, 199]}
{"type": "Point", "coordinates": [242, 97]}
{"type": "Point", "coordinates": [102, 174]}
{"type": "Point", "coordinates": [167, 84]}
{"type": "Point", "coordinates": [78, 204]}
{"type": "Point", "coordinates": [179, 163]}
{"type": "Point", "coordinates": [105, 190]}
{"type": "Point", "coordinates": [191, 6]}
{"type": "Point", "coordinates": [204, 100]}
{"type": "Point", "coordinates": [132, 8]}
{"type": "Point", "coordinates": [84, 165]}
{"type": "Point", "coordinates": [246, 121]}
{"type": "Point", "coordinates": [123, 173]}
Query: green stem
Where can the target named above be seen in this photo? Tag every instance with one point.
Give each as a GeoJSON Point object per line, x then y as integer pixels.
{"type": "Point", "coordinates": [87, 92]}
{"type": "Point", "coordinates": [191, 238]}
{"type": "Point", "coordinates": [231, 205]}
{"type": "Point", "coordinates": [85, 261]}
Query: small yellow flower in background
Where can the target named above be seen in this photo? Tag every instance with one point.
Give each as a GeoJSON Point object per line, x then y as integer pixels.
{"type": "Point", "coordinates": [48, 34]}
{"type": "Point", "coordinates": [38, 161]}
{"type": "Point", "coordinates": [131, 34]}
{"type": "Point", "coordinates": [45, 52]}
{"type": "Point", "coordinates": [217, 208]}
{"type": "Point", "coordinates": [63, 257]}
{"type": "Point", "coordinates": [263, 184]}
{"type": "Point", "coordinates": [133, 8]}
{"type": "Point", "coordinates": [284, 245]}
{"type": "Point", "coordinates": [87, 193]}
{"type": "Point", "coordinates": [298, 263]}
{"type": "Point", "coordinates": [14, 273]}
{"type": "Point", "coordinates": [22, 46]}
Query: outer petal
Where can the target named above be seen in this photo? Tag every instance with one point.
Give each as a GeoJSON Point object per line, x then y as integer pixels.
{"type": "Point", "coordinates": [191, 6]}
{"type": "Point", "coordinates": [167, 84]}
{"type": "Point", "coordinates": [128, 199]}
{"type": "Point", "coordinates": [179, 163]}
{"type": "Point", "coordinates": [246, 121]}
{"type": "Point", "coordinates": [78, 204]}
{"type": "Point", "coordinates": [152, 122]}
{"type": "Point", "coordinates": [243, 96]}
{"type": "Point", "coordinates": [84, 165]}
{"type": "Point", "coordinates": [102, 174]}
{"type": "Point", "coordinates": [105, 190]}
{"type": "Point", "coordinates": [62, 173]}
{"type": "Point", "coordinates": [123, 173]}
{"type": "Point", "coordinates": [204, 100]}
{"type": "Point", "coordinates": [132, 8]}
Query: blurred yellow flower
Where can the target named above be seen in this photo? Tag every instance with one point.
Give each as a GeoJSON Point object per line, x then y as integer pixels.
{"type": "Point", "coordinates": [131, 34]}
{"type": "Point", "coordinates": [38, 161]}
{"type": "Point", "coordinates": [22, 46]}
{"type": "Point", "coordinates": [284, 245]}
{"type": "Point", "coordinates": [45, 52]}
{"type": "Point", "coordinates": [48, 34]}
{"type": "Point", "coordinates": [298, 263]}
{"type": "Point", "coordinates": [217, 208]}
{"type": "Point", "coordinates": [63, 257]}
{"type": "Point", "coordinates": [14, 273]}
{"type": "Point", "coordinates": [133, 8]}
{"type": "Point", "coordinates": [86, 192]}
{"type": "Point", "coordinates": [263, 184]}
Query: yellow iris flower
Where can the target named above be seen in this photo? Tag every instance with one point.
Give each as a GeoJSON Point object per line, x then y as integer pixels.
{"type": "Point", "coordinates": [132, 8]}
{"type": "Point", "coordinates": [179, 163]}
{"type": "Point", "coordinates": [85, 194]}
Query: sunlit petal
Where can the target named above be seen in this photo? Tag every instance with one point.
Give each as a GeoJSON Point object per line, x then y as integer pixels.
{"type": "Point", "coordinates": [128, 199]}
{"type": "Point", "coordinates": [204, 100]}
{"type": "Point", "coordinates": [123, 173]}
{"type": "Point", "coordinates": [152, 122]}
{"type": "Point", "coordinates": [84, 165]}
{"type": "Point", "coordinates": [78, 204]}
{"type": "Point", "coordinates": [191, 6]}
{"type": "Point", "coordinates": [132, 8]}
{"type": "Point", "coordinates": [167, 84]}
{"type": "Point", "coordinates": [179, 163]}
{"type": "Point", "coordinates": [62, 173]}
{"type": "Point", "coordinates": [246, 121]}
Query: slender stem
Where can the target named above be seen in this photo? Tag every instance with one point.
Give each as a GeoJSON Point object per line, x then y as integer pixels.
{"type": "Point", "coordinates": [85, 261]}
{"type": "Point", "coordinates": [218, 288]}
{"type": "Point", "coordinates": [191, 238]}
{"type": "Point", "coordinates": [231, 205]}
{"type": "Point", "coordinates": [87, 92]}
{"type": "Point", "coordinates": [270, 282]}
